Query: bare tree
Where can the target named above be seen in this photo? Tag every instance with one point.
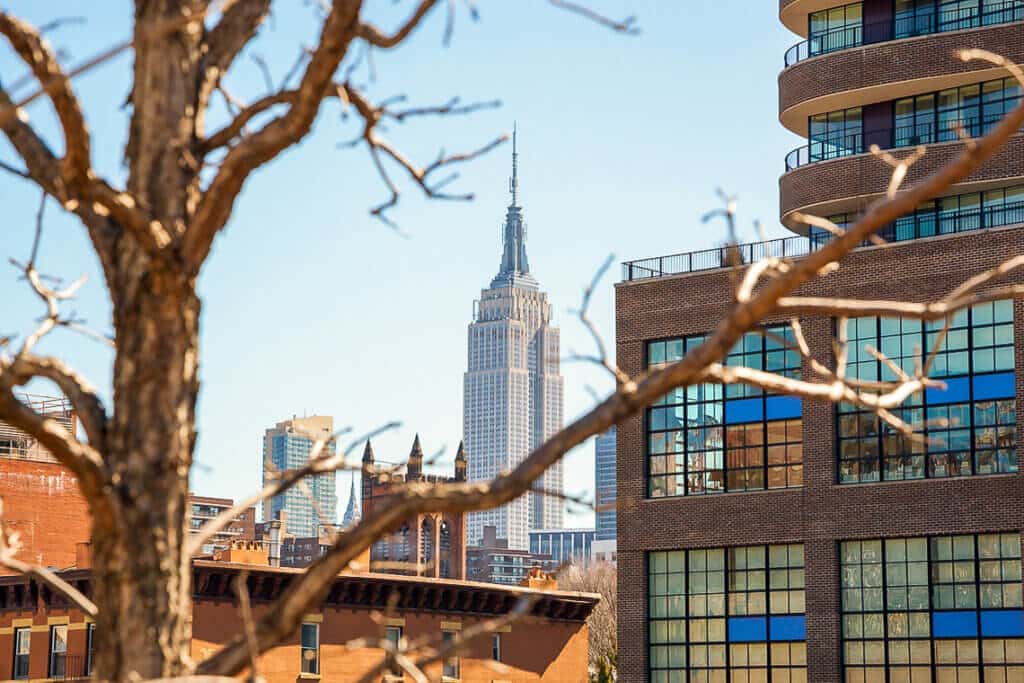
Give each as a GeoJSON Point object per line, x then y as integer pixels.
{"type": "Point", "coordinates": [154, 235]}
{"type": "Point", "coordinates": [600, 578]}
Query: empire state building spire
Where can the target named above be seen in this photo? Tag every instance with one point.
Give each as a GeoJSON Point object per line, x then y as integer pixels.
{"type": "Point", "coordinates": [515, 268]}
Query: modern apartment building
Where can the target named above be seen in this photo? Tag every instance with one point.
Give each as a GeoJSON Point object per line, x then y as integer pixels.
{"type": "Point", "coordinates": [563, 545]}
{"type": "Point", "coordinates": [203, 509]}
{"type": "Point", "coordinates": [512, 389]}
{"type": "Point", "coordinates": [762, 537]}
{"type": "Point", "coordinates": [604, 497]}
{"type": "Point", "coordinates": [493, 561]}
{"type": "Point", "coordinates": [287, 445]}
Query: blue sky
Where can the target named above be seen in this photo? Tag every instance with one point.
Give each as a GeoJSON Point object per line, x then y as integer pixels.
{"type": "Point", "coordinates": [311, 306]}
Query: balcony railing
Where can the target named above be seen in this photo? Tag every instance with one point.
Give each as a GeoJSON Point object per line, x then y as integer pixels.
{"type": "Point", "coordinates": [837, 145]}
{"type": "Point", "coordinates": [921, 224]}
{"type": "Point", "coordinates": [919, 24]}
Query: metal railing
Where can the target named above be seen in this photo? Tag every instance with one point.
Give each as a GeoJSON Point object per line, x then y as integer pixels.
{"type": "Point", "coordinates": [921, 224]}
{"type": "Point", "coordinates": [710, 259]}
{"type": "Point", "coordinates": [835, 146]}
{"type": "Point", "coordinates": [919, 24]}
{"type": "Point", "coordinates": [68, 668]}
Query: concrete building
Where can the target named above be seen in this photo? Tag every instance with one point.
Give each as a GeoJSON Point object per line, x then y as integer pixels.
{"type": "Point", "coordinates": [204, 508]}
{"type": "Point", "coordinates": [42, 638]}
{"type": "Point", "coordinates": [42, 502]}
{"type": "Point", "coordinates": [493, 561]}
{"type": "Point", "coordinates": [604, 497]}
{"type": "Point", "coordinates": [766, 538]}
{"type": "Point", "coordinates": [286, 446]}
{"type": "Point", "coordinates": [512, 390]}
{"type": "Point", "coordinates": [432, 544]}
{"type": "Point", "coordinates": [563, 545]}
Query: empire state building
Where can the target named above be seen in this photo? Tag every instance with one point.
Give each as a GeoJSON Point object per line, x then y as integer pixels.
{"type": "Point", "coordinates": [512, 391]}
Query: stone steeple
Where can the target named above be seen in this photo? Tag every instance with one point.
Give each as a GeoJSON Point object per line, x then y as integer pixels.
{"type": "Point", "coordinates": [415, 468]}
{"type": "Point", "coordinates": [460, 463]}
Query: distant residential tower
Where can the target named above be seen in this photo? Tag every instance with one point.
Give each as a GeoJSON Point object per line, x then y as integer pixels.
{"type": "Point", "coordinates": [285, 446]}
{"type": "Point", "coordinates": [512, 390]}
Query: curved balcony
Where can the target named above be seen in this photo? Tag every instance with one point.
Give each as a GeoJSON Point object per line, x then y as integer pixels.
{"type": "Point", "coordinates": [793, 13]}
{"type": "Point", "coordinates": [909, 26]}
{"type": "Point", "coordinates": [890, 70]}
{"type": "Point", "coordinates": [851, 181]}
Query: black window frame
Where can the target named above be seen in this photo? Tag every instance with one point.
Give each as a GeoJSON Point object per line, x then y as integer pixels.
{"type": "Point", "coordinates": [309, 665]}
{"type": "Point", "coordinates": [496, 647]}
{"type": "Point", "coordinates": [918, 411]}
{"type": "Point", "coordinates": [90, 647]}
{"type": "Point", "coordinates": [451, 667]}
{"type": "Point", "coordinates": [57, 662]}
{"type": "Point", "coordinates": [21, 660]}
{"type": "Point", "coordinates": [699, 449]}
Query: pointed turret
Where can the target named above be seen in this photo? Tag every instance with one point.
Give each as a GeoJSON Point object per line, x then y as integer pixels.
{"type": "Point", "coordinates": [460, 463]}
{"type": "Point", "coordinates": [415, 469]}
{"type": "Point", "coordinates": [368, 452]}
{"type": "Point", "coordinates": [515, 268]}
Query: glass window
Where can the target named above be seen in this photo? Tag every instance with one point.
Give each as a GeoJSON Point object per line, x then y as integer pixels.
{"type": "Point", "coordinates": [22, 641]}
{"type": "Point", "coordinates": [450, 668]}
{"type": "Point", "coordinates": [496, 647]}
{"type": "Point", "coordinates": [969, 429]}
{"type": "Point", "coordinates": [90, 648]}
{"type": "Point", "coordinates": [917, 605]}
{"type": "Point", "coordinates": [58, 651]}
{"type": "Point", "coordinates": [835, 29]}
{"type": "Point", "coordinates": [707, 438]}
{"type": "Point", "coordinates": [727, 613]}
{"type": "Point", "coordinates": [836, 134]}
{"type": "Point", "coordinates": [310, 648]}
{"type": "Point", "coordinates": [393, 634]}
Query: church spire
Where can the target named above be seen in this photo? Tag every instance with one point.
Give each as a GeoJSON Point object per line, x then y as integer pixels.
{"type": "Point", "coordinates": [351, 514]}
{"type": "Point", "coordinates": [515, 268]}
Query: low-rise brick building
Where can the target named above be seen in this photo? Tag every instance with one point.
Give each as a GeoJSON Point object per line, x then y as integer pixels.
{"type": "Point", "coordinates": [43, 638]}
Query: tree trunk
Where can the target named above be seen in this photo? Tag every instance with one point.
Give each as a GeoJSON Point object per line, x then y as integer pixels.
{"type": "Point", "coordinates": [141, 576]}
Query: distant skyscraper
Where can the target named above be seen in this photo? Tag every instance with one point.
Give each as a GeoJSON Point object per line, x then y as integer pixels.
{"type": "Point", "coordinates": [604, 484]}
{"type": "Point", "coordinates": [352, 509]}
{"type": "Point", "coordinates": [287, 446]}
{"type": "Point", "coordinates": [512, 391]}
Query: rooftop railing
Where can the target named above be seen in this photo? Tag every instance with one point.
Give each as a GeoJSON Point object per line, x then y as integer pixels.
{"type": "Point", "coordinates": [920, 225]}
{"type": "Point", "coordinates": [919, 24]}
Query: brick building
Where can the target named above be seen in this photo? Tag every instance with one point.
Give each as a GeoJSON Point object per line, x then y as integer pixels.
{"type": "Point", "coordinates": [30, 474]}
{"type": "Point", "coordinates": [766, 538]}
{"type": "Point", "coordinates": [42, 638]}
{"type": "Point", "coordinates": [205, 508]}
{"type": "Point", "coordinates": [494, 562]}
{"type": "Point", "coordinates": [435, 542]}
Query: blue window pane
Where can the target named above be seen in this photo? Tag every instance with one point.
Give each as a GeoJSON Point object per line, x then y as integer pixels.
{"type": "Point", "coordinates": [747, 629]}
{"type": "Point", "coordinates": [1002, 623]}
{"type": "Point", "coordinates": [788, 628]}
{"type": "Point", "coordinates": [994, 386]}
{"type": "Point", "coordinates": [782, 407]}
{"type": "Point", "coordinates": [955, 624]}
{"type": "Point", "coordinates": [957, 391]}
{"type": "Point", "coordinates": [748, 410]}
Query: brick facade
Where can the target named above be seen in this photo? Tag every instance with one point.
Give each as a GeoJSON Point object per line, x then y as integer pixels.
{"type": "Point", "coordinates": [910, 60]}
{"type": "Point", "coordinates": [50, 530]}
{"type": "Point", "coordinates": [822, 512]}
{"type": "Point", "coordinates": [851, 183]}
{"type": "Point", "coordinates": [550, 644]}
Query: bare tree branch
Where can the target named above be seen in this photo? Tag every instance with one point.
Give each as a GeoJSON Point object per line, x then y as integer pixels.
{"type": "Point", "coordinates": [627, 25]}
{"type": "Point", "coordinates": [374, 36]}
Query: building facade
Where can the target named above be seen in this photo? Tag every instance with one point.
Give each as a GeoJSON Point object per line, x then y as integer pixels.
{"type": "Point", "coordinates": [287, 445]}
{"type": "Point", "coordinates": [604, 486]}
{"type": "Point", "coordinates": [493, 561]}
{"type": "Point", "coordinates": [563, 545]}
{"type": "Point", "coordinates": [42, 638]}
{"type": "Point", "coordinates": [767, 538]}
{"type": "Point", "coordinates": [30, 474]}
{"type": "Point", "coordinates": [432, 544]}
{"type": "Point", "coordinates": [204, 509]}
{"type": "Point", "coordinates": [512, 389]}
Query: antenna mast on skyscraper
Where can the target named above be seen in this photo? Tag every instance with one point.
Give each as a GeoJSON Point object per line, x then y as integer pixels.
{"type": "Point", "coordinates": [513, 183]}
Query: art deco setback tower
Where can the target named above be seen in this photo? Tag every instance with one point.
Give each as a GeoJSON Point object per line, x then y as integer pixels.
{"type": "Point", "coordinates": [512, 391]}
{"type": "Point", "coordinates": [764, 538]}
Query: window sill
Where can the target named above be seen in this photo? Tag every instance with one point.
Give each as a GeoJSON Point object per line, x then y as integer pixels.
{"type": "Point", "coordinates": [310, 677]}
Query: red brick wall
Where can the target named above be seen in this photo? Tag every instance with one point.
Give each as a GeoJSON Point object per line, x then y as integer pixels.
{"type": "Point", "coordinates": [822, 512]}
{"type": "Point", "coordinates": [894, 62]}
{"type": "Point", "coordinates": [43, 504]}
